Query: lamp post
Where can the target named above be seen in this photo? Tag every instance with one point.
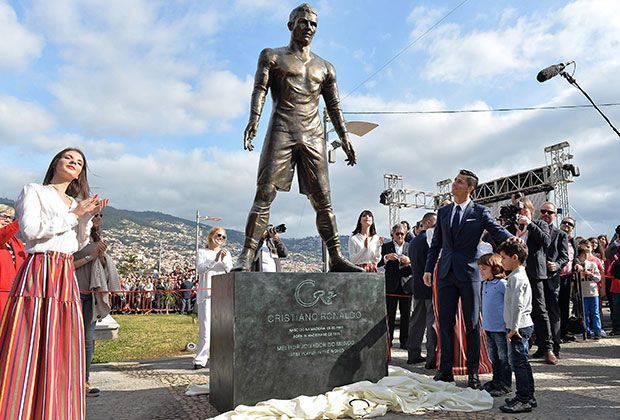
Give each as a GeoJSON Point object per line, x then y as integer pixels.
{"type": "Point", "coordinates": [198, 219]}
{"type": "Point", "coordinates": [359, 128]}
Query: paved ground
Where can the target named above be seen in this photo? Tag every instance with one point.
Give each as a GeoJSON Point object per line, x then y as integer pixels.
{"type": "Point", "coordinates": [586, 384]}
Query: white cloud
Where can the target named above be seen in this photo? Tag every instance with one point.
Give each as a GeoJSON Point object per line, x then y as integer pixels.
{"type": "Point", "coordinates": [179, 183]}
{"type": "Point", "coordinates": [92, 148]}
{"type": "Point", "coordinates": [20, 120]}
{"type": "Point", "coordinates": [19, 46]}
{"type": "Point", "coordinates": [128, 71]}
{"type": "Point", "coordinates": [585, 31]}
{"type": "Point", "coordinates": [428, 148]}
{"type": "Point", "coordinates": [29, 126]}
{"type": "Point", "coordinates": [423, 18]}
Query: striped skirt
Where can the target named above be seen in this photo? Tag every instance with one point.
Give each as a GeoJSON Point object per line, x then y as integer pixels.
{"type": "Point", "coordinates": [42, 342]}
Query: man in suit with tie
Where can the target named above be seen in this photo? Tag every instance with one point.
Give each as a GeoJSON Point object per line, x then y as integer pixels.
{"type": "Point", "coordinates": [394, 256]}
{"type": "Point", "coordinates": [457, 234]}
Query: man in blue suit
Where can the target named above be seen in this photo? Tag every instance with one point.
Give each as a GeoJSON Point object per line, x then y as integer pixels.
{"type": "Point", "coordinates": [457, 234]}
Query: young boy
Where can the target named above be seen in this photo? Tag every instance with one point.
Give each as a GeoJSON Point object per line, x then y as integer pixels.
{"type": "Point", "coordinates": [519, 325]}
{"type": "Point", "coordinates": [493, 292]}
{"type": "Point", "coordinates": [590, 276]}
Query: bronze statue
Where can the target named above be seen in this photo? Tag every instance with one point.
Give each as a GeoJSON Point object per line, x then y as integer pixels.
{"type": "Point", "coordinates": [297, 78]}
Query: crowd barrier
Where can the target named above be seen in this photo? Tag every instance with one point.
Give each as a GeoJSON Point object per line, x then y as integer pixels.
{"type": "Point", "coordinates": [161, 300]}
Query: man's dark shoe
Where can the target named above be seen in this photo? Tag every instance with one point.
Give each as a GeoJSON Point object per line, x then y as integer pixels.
{"type": "Point", "coordinates": [512, 400]}
{"type": "Point", "coordinates": [538, 354]}
{"type": "Point", "coordinates": [517, 407]}
{"type": "Point", "coordinates": [490, 386]}
{"type": "Point", "coordinates": [550, 358]}
{"type": "Point", "coordinates": [431, 364]}
{"type": "Point", "coordinates": [568, 338]}
{"type": "Point", "coordinates": [412, 360]}
{"type": "Point", "coordinates": [473, 381]}
{"type": "Point", "coordinates": [499, 391]}
{"type": "Point", "coordinates": [340, 265]}
{"type": "Point", "coordinates": [444, 377]}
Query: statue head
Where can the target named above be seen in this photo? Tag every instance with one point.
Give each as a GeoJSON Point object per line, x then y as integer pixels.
{"type": "Point", "coordinates": [299, 10]}
{"type": "Point", "coordinates": [302, 23]}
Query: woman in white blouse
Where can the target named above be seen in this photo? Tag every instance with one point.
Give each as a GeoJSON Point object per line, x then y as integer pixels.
{"type": "Point", "coordinates": [42, 334]}
{"type": "Point", "coordinates": [365, 244]}
{"type": "Point", "coordinates": [209, 262]}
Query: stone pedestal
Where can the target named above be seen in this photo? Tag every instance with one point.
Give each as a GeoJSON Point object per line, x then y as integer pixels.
{"type": "Point", "coordinates": [106, 329]}
{"type": "Point", "coordinates": [281, 335]}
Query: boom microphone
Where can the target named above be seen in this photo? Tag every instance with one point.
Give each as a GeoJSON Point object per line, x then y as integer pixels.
{"type": "Point", "coordinates": [551, 71]}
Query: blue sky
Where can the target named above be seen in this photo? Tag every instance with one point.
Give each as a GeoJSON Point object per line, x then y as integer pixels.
{"type": "Point", "coordinates": [157, 95]}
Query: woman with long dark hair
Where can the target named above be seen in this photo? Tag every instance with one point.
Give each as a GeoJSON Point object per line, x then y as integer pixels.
{"type": "Point", "coordinates": [365, 244]}
{"type": "Point", "coordinates": [41, 334]}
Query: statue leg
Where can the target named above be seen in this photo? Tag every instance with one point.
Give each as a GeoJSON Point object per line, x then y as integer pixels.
{"type": "Point", "coordinates": [326, 225]}
{"type": "Point", "coordinates": [255, 225]}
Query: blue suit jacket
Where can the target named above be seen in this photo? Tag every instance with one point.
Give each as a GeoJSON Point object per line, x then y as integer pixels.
{"type": "Point", "coordinates": [459, 254]}
{"type": "Point", "coordinates": [418, 252]}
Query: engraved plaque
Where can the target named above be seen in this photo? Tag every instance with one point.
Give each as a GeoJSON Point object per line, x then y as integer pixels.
{"type": "Point", "coordinates": [281, 335]}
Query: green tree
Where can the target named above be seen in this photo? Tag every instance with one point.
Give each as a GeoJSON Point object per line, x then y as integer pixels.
{"type": "Point", "coordinates": [129, 265]}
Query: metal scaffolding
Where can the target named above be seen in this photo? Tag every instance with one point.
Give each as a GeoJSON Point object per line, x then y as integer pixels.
{"type": "Point", "coordinates": [555, 176]}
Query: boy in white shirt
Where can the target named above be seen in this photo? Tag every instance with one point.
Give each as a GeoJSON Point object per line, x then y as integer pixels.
{"type": "Point", "coordinates": [519, 325]}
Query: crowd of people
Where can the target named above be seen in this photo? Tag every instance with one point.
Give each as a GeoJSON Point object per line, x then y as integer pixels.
{"type": "Point", "coordinates": [538, 280]}
{"type": "Point", "coordinates": [509, 285]}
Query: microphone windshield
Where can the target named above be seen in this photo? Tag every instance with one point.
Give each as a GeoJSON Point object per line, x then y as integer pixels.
{"type": "Point", "coordinates": [549, 72]}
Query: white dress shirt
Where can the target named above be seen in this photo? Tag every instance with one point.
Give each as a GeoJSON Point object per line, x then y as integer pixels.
{"type": "Point", "coordinates": [463, 206]}
{"type": "Point", "coordinates": [47, 223]}
{"type": "Point", "coordinates": [360, 255]}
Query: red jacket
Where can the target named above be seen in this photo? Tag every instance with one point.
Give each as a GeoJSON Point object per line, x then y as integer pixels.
{"type": "Point", "coordinates": [615, 283]}
{"type": "Point", "coordinates": [8, 269]}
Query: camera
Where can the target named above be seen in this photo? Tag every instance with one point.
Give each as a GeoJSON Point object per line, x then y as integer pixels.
{"type": "Point", "coordinates": [276, 229]}
{"type": "Point", "coordinates": [508, 215]}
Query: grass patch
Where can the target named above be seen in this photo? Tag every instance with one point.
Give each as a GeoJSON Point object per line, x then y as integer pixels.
{"type": "Point", "coordinates": [147, 337]}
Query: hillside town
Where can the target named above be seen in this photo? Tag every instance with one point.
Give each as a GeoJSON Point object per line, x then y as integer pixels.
{"type": "Point", "coordinates": [163, 245]}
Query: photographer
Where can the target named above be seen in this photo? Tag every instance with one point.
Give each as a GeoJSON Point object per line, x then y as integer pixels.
{"type": "Point", "coordinates": [536, 235]}
{"type": "Point", "coordinates": [269, 251]}
{"type": "Point", "coordinates": [557, 259]}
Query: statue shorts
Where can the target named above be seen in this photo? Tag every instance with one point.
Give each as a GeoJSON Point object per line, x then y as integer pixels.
{"type": "Point", "coordinates": [283, 151]}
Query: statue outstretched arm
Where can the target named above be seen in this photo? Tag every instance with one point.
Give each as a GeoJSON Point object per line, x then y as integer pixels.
{"type": "Point", "coordinates": [332, 103]}
{"type": "Point", "coordinates": [259, 93]}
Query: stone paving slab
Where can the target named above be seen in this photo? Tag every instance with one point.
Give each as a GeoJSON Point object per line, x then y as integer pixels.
{"type": "Point", "coordinates": [584, 385]}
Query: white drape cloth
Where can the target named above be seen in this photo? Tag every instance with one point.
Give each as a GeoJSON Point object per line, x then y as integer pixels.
{"type": "Point", "coordinates": [400, 391]}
